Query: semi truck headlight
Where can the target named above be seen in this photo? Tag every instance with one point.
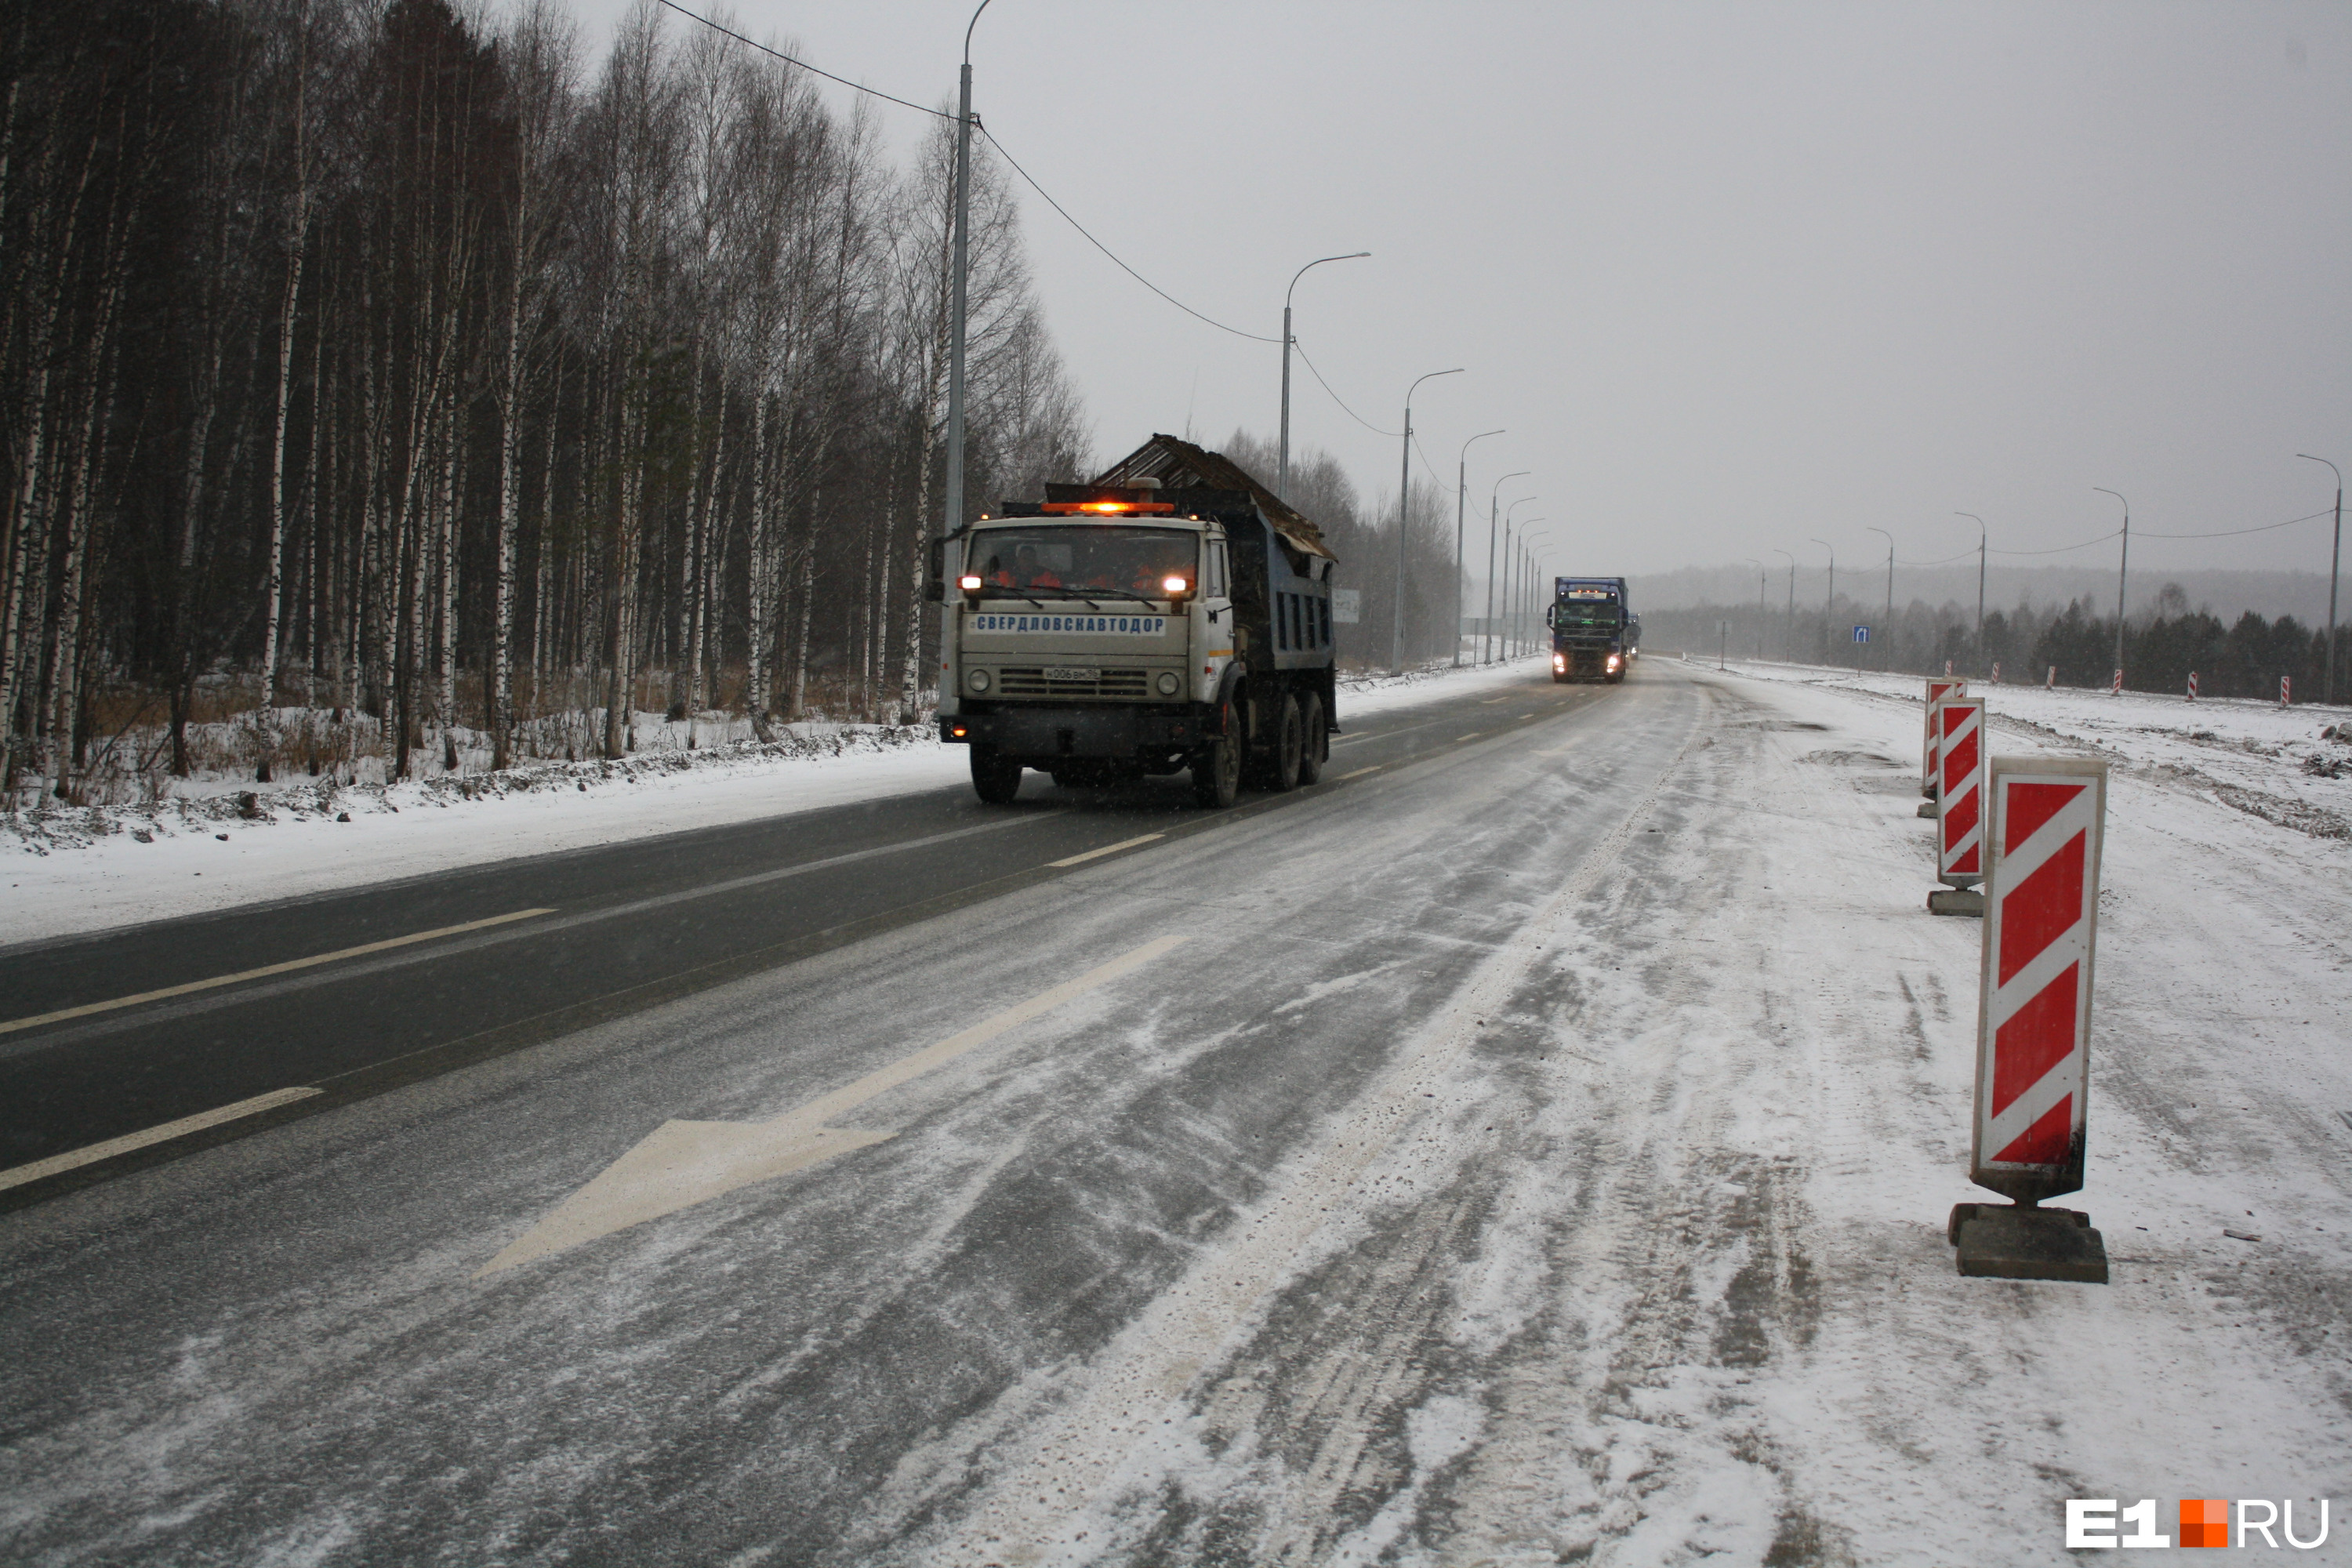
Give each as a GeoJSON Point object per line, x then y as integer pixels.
{"type": "Point", "coordinates": [1559, 661]}
{"type": "Point", "coordinates": [979, 681]}
{"type": "Point", "coordinates": [1614, 661]}
{"type": "Point", "coordinates": [1168, 683]}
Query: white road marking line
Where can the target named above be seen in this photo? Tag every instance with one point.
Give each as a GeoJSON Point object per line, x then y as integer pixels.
{"type": "Point", "coordinates": [1107, 849]}
{"type": "Point", "coordinates": [291, 965]}
{"type": "Point", "coordinates": [560, 923]}
{"type": "Point", "coordinates": [1383, 734]}
{"type": "Point", "coordinates": [1471, 736]}
{"type": "Point", "coordinates": [1359, 773]}
{"type": "Point", "coordinates": [90, 1154]}
{"type": "Point", "coordinates": [683, 1164]}
{"type": "Point", "coordinates": [1490, 701]}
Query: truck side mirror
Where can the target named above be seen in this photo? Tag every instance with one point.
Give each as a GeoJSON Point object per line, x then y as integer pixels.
{"type": "Point", "coordinates": [935, 585]}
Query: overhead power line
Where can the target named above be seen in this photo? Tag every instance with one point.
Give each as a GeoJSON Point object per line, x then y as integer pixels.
{"type": "Point", "coordinates": [1106, 250]}
{"type": "Point", "coordinates": [1300, 350]}
{"type": "Point", "coordinates": [2234, 532]}
{"type": "Point", "coordinates": [2062, 549]}
{"type": "Point", "coordinates": [779, 54]}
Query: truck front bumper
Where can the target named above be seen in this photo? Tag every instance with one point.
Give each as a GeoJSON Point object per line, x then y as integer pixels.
{"type": "Point", "coordinates": [1094, 732]}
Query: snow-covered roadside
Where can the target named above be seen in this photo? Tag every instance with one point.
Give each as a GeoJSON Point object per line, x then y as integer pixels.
{"type": "Point", "coordinates": [2292, 766]}
{"type": "Point", "coordinates": [83, 869]}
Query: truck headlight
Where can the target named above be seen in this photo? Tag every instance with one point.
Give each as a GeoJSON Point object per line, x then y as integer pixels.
{"type": "Point", "coordinates": [1168, 683]}
{"type": "Point", "coordinates": [979, 681]}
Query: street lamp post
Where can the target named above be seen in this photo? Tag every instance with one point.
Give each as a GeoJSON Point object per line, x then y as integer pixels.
{"type": "Point", "coordinates": [1982, 537]}
{"type": "Point", "coordinates": [1461, 502]}
{"type": "Point", "coordinates": [1789, 647]}
{"type": "Point", "coordinates": [1889, 623]}
{"type": "Point", "coordinates": [2334, 557]}
{"type": "Point", "coordinates": [2123, 573]}
{"type": "Point", "coordinates": [1527, 579]}
{"type": "Point", "coordinates": [1828, 600]}
{"type": "Point", "coordinates": [1404, 516]}
{"type": "Point", "coordinates": [1760, 612]}
{"type": "Point", "coordinates": [1282, 463]}
{"type": "Point", "coordinates": [1486, 633]}
{"type": "Point", "coordinates": [1502, 641]}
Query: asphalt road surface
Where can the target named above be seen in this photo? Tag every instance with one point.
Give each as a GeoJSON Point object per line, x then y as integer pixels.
{"type": "Point", "coordinates": [746, 1195]}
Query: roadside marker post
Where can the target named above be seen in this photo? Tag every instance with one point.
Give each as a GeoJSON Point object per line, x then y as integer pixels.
{"type": "Point", "coordinates": [2051, 684]}
{"type": "Point", "coordinates": [1947, 667]}
{"type": "Point", "coordinates": [1937, 691]}
{"type": "Point", "coordinates": [2117, 688]}
{"type": "Point", "coordinates": [1996, 672]}
{"type": "Point", "coordinates": [1959, 806]}
{"type": "Point", "coordinates": [2047, 819]}
{"type": "Point", "coordinates": [2286, 692]}
{"type": "Point", "coordinates": [2192, 685]}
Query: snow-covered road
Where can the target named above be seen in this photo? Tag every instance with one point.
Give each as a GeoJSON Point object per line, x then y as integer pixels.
{"type": "Point", "coordinates": [1537, 1153]}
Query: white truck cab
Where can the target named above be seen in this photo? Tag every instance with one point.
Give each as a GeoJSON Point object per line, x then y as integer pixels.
{"type": "Point", "coordinates": [1173, 616]}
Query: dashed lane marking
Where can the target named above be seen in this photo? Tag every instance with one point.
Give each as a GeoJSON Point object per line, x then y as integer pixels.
{"type": "Point", "coordinates": [1359, 773]}
{"type": "Point", "coordinates": [1108, 849]}
{"type": "Point", "coordinates": [91, 1153]}
{"type": "Point", "coordinates": [287, 967]}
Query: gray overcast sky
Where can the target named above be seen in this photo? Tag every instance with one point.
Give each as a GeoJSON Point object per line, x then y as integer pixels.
{"type": "Point", "coordinates": [1733, 276]}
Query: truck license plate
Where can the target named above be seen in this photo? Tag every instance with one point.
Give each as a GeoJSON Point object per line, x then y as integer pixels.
{"type": "Point", "coordinates": [1070, 672]}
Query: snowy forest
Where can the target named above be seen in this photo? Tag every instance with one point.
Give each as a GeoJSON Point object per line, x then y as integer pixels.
{"type": "Point", "coordinates": [379, 361]}
{"type": "Point", "coordinates": [2069, 645]}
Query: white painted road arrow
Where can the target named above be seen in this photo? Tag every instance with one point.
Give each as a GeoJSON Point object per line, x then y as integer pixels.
{"type": "Point", "coordinates": [687, 1162]}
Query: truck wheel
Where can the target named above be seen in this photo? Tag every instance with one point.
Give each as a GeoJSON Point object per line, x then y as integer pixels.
{"type": "Point", "coordinates": [1317, 736]}
{"type": "Point", "coordinates": [994, 780]}
{"type": "Point", "coordinates": [1290, 748]}
{"type": "Point", "coordinates": [1217, 767]}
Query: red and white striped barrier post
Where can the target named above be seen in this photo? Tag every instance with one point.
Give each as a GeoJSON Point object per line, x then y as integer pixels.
{"type": "Point", "coordinates": [1996, 672]}
{"type": "Point", "coordinates": [2117, 688]}
{"type": "Point", "coordinates": [1959, 806]}
{"type": "Point", "coordinates": [1937, 691]}
{"type": "Point", "coordinates": [2192, 685]}
{"type": "Point", "coordinates": [1947, 667]}
{"type": "Point", "coordinates": [2051, 684]}
{"type": "Point", "coordinates": [2286, 692]}
{"type": "Point", "coordinates": [2047, 817]}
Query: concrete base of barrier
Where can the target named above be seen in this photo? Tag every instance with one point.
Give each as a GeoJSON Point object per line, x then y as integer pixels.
{"type": "Point", "coordinates": [1928, 809]}
{"type": "Point", "coordinates": [1957, 902]}
{"type": "Point", "coordinates": [2003, 1241]}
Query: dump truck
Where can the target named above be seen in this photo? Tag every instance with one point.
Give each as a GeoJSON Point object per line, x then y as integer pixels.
{"type": "Point", "coordinates": [1171, 615]}
{"type": "Point", "coordinates": [1594, 632]}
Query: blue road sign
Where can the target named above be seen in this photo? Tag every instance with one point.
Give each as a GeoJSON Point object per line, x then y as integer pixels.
{"type": "Point", "coordinates": [1862, 634]}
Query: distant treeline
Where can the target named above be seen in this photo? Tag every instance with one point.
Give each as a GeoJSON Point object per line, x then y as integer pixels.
{"type": "Point", "coordinates": [357, 345]}
{"type": "Point", "coordinates": [2242, 658]}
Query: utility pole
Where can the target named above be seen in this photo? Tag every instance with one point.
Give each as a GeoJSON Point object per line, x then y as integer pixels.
{"type": "Point", "coordinates": [1889, 624]}
{"type": "Point", "coordinates": [2123, 572]}
{"type": "Point", "coordinates": [953, 489]}
{"type": "Point", "coordinates": [1981, 538]}
{"type": "Point", "coordinates": [1405, 517]}
{"type": "Point", "coordinates": [2334, 558]}
{"type": "Point", "coordinates": [1282, 463]}
{"type": "Point", "coordinates": [1461, 503]}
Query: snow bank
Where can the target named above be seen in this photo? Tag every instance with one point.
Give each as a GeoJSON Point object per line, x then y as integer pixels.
{"type": "Point", "coordinates": [73, 870]}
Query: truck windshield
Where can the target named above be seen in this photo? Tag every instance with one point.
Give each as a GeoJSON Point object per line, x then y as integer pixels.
{"type": "Point", "coordinates": [1586, 612]}
{"type": "Point", "coordinates": [1072, 558]}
